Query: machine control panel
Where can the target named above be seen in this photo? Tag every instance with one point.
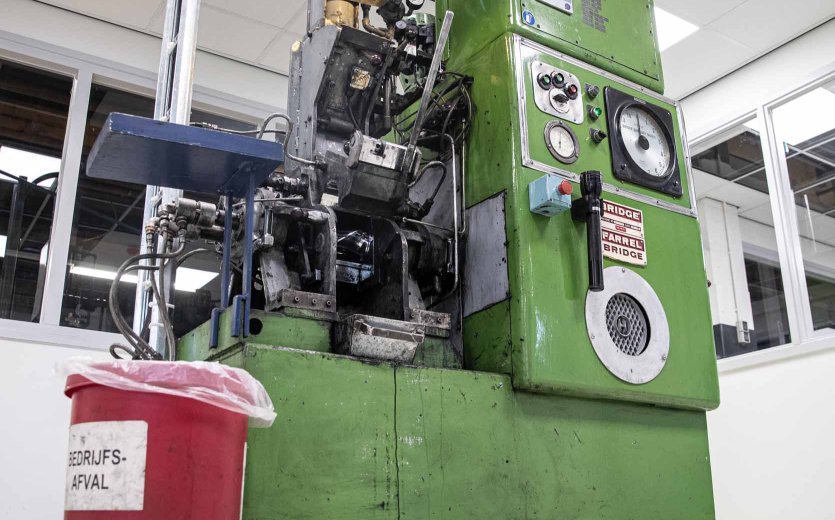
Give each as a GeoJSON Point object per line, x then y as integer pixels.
{"type": "Point", "coordinates": [557, 92]}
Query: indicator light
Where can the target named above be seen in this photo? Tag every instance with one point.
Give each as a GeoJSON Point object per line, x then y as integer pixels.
{"type": "Point", "coordinates": [595, 113]}
{"type": "Point", "coordinates": [565, 188]}
{"type": "Point", "coordinates": [559, 79]}
{"type": "Point", "coordinates": [544, 81]}
{"type": "Point", "coordinates": [571, 91]}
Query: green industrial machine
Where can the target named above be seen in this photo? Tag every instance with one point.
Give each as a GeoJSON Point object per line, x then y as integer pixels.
{"type": "Point", "coordinates": [587, 363]}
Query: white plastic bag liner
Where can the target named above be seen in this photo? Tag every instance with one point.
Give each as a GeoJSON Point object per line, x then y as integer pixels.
{"type": "Point", "coordinates": [228, 388]}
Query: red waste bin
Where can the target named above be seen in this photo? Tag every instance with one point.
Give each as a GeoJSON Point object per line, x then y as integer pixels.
{"type": "Point", "coordinates": [156, 456]}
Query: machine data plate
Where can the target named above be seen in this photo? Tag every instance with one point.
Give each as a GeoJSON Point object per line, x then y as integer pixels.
{"type": "Point", "coordinates": [566, 6]}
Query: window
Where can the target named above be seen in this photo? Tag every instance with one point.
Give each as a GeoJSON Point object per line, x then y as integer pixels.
{"type": "Point", "coordinates": [34, 107]}
{"type": "Point", "coordinates": [107, 229]}
{"type": "Point", "coordinates": [746, 293]}
{"type": "Point", "coordinates": [805, 128]}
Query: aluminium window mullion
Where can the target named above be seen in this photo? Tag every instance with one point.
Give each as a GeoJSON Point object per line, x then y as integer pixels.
{"type": "Point", "coordinates": [788, 235]}
{"type": "Point", "coordinates": [61, 234]}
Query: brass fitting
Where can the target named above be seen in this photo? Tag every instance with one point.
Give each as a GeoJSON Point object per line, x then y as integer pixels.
{"type": "Point", "coordinates": [341, 12]}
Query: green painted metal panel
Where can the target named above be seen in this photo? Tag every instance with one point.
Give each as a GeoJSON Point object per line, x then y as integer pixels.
{"type": "Point", "coordinates": [357, 440]}
{"type": "Point", "coordinates": [276, 329]}
{"type": "Point", "coordinates": [331, 452]}
{"type": "Point", "coordinates": [471, 447]}
{"type": "Point", "coordinates": [624, 44]}
{"type": "Point", "coordinates": [547, 257]}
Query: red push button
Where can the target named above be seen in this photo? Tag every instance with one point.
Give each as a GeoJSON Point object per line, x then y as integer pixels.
{"type": "Point", "coordinates": [565, 188]}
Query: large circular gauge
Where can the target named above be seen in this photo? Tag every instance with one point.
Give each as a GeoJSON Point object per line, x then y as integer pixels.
{"type": "Point", "coordinates": [645, 141]}
{"type": "Point", "coordinates": [562, 142]}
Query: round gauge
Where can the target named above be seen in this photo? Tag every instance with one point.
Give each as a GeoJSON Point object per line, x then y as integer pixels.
{"type": "Point", "coordinates": [646, 141]}
{"type": "Point", "coordinates": [562, 142]}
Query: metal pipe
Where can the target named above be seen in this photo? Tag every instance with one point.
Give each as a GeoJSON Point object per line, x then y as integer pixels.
{"type": "Point", "coordinates": [437, 59]}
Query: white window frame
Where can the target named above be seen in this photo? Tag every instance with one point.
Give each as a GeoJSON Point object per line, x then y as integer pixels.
{"type": "Point", "coordinates": [85, 70]}
{"type": "Point", "coordinates": [805, 340]}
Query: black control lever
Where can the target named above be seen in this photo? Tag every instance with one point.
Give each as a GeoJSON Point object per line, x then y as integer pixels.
{"type": "Point", "coordinates": [589, 209]}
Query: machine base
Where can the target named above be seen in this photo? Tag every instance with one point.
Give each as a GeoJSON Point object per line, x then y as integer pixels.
{"type": "Point", "coordinates": [359, 440]}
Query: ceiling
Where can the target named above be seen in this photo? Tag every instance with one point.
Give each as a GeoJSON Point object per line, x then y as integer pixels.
{"type": "Point", "coordinates": [732, 33]}
{"type": "Point", "coordinates": [260, 32]}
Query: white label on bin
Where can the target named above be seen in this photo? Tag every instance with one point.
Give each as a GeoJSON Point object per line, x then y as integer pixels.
{"type": "Point", "coordinates": [106, 466]}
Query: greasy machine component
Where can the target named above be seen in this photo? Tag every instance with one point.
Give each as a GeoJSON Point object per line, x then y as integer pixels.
{"type": "Point", "coordinates": [558, 93]}
{"type": "Point", "coordinates": [628, 327]}
{"type": "Point", "coordinates": [643, 149]}
{"type": "Point", "coordinates": [589, 210]}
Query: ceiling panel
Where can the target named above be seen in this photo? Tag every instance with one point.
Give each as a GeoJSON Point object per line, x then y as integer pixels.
{"type": "Point", "coordinates": [700, 12]}
{"type": "Point", "coordinates": [274, 12]}
{"type": "Point", "coordinates": [130, 13]}
{"type": "Point", "coordinates": [232, 35]}
{"type": "Point", "coordinates": [765, 24]}
{"type": "Point", "coordinates": [700, 59]}
{"type": "Point", "coordinates": [277, 57]}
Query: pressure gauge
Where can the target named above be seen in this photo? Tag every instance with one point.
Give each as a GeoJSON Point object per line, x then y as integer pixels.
{"type": "Point", "coordinates": [643, 145]}
{"type": "Point", "coordinates": [645, 141]}
{"type": "Point", "coordinates": [562, 142]}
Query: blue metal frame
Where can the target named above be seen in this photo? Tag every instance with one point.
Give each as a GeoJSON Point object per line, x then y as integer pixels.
{"type": "Point", "coordinates": [140, 150]}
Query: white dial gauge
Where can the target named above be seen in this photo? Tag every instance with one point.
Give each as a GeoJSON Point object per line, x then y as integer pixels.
{"type": "Point", "coordinates": [645, 141]}
{"type": "Point", "coordinates": [561, 142]}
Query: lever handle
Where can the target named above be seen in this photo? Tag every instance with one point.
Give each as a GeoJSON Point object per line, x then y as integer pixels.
{"type": "Point", "coordinates": [589, 209]}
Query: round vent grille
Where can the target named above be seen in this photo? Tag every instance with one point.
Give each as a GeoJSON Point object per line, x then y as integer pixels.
{"type": "Point", "coordinates": [628, 327]}
{"type": "Point", "coordinates": [627, 324]}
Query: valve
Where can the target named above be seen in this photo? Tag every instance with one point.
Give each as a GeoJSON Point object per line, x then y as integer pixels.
{"type": "Point", "coordinates": [589, 209]}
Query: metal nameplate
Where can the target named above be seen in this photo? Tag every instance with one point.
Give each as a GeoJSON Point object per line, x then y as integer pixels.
{"type": "Point", "coordinates": [566, 6]}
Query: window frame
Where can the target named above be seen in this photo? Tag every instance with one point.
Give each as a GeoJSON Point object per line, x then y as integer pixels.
{"type": "Point", "coordinates": [84, 71]}
{"type": "Point", "coordinates": [805, 339]}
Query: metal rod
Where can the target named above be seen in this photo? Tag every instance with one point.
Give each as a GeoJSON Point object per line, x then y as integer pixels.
{"type": "Point", "coordinates": [437, 59]}
{"type": "Point", "coordinates": [173, 104]}
{"type": "Point", "coordinates": [226, 263]}
{"type": "Point", "coordinates": [248, 233]}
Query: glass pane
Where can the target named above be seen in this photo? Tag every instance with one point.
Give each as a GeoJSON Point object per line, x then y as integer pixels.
{"type": "Point", "coordinates": [747, 297]}
{"type": "Point", "coordinates": [33, 118]}
{"type": "Point", "coordinates": [107, 229]}
{"type": "Point", "coordinates": [806, 127]}
{"type": "Point", "coordinates": [738, 157]}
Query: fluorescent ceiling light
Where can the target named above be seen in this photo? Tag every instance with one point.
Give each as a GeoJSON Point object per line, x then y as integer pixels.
{"type": "Point", "coordinates": [44, 254]}
{"type": "Point", "coordinates": [27, 164]}
{"type": "Point", "coordinates": [671, 28]}
{"type": "Point", "coordinates": [188, 280]}
{"type": "Point", "coordinates": [3, 246]}
{"type": "Point", "coordinates": [808, 116]}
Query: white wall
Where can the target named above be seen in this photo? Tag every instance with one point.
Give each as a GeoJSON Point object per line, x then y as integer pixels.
{"type": "Point", "coordinates": [771, 441]}
{"type": "Point", "coordinates": [34, 422]}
